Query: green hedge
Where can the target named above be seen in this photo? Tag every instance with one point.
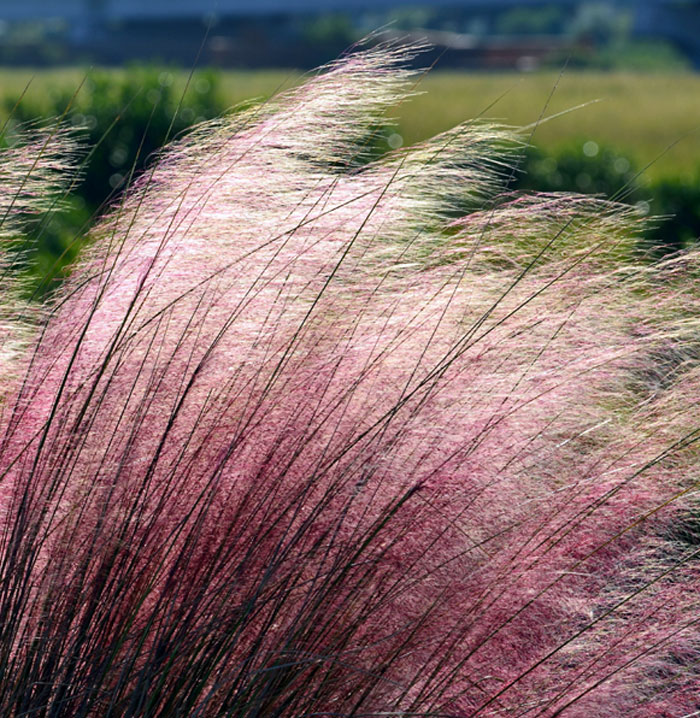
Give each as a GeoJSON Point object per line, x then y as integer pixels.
{"type": "Point", "coordinates": [122, 119]}
{"type": "Point", "coordinates": [583, 166]}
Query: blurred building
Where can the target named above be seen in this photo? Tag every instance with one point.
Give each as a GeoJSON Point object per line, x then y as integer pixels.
{"type": "Point", "coordinates": [304, 33]}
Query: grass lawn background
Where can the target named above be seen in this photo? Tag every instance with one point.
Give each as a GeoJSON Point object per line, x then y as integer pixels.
{"type": "Point", "coordinates": [639, 114]}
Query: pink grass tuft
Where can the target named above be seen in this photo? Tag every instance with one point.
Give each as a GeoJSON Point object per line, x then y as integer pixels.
{"type": "Point", "coordinates": [292, 440]}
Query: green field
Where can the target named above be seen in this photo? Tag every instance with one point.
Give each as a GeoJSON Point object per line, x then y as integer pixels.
{"type": "Point", "coordinates": [642, 115]}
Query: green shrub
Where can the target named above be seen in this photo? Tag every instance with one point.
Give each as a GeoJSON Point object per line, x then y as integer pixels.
{"type": "Point", "coordinates": [678, 200]}
{"type": "Point", "coordinates": [124, 118]}
{"type": "Point", "coordinates": [146, 100]}
{"type": "Point", "coordinates": [583, 166]}
{"type": "Point", "coordinates": [580, 166]}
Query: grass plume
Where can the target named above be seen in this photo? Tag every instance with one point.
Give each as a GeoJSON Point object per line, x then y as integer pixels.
{"type": "Point", "coordinates": [306, 436]}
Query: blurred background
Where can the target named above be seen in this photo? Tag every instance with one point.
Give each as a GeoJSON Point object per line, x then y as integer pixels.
{"type": "Point", "coordinates": [118, 71]}
{"type": "Point", "coordinates": [477, 34]}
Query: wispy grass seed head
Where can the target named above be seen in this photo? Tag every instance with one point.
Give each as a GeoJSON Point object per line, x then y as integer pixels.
{"type": "Point", "coordinates": [294, 440]}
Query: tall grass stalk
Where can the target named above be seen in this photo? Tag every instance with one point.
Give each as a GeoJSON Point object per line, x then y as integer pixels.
{"type": "Point", "coordinates": [306, 436]}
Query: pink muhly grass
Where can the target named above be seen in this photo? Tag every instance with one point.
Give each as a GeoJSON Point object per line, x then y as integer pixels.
{"type": "Point", "coordinates": [292, 440]}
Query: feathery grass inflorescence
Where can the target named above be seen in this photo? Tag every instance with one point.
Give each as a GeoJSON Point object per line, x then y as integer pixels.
{"type": "Point", "coordinates": [303, 435]}
{"type": "Point", "coordinates": [37, 167]}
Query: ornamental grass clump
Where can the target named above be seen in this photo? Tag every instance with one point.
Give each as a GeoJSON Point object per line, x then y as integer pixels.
{"type": "Point", "coordinates": [306, 435]}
